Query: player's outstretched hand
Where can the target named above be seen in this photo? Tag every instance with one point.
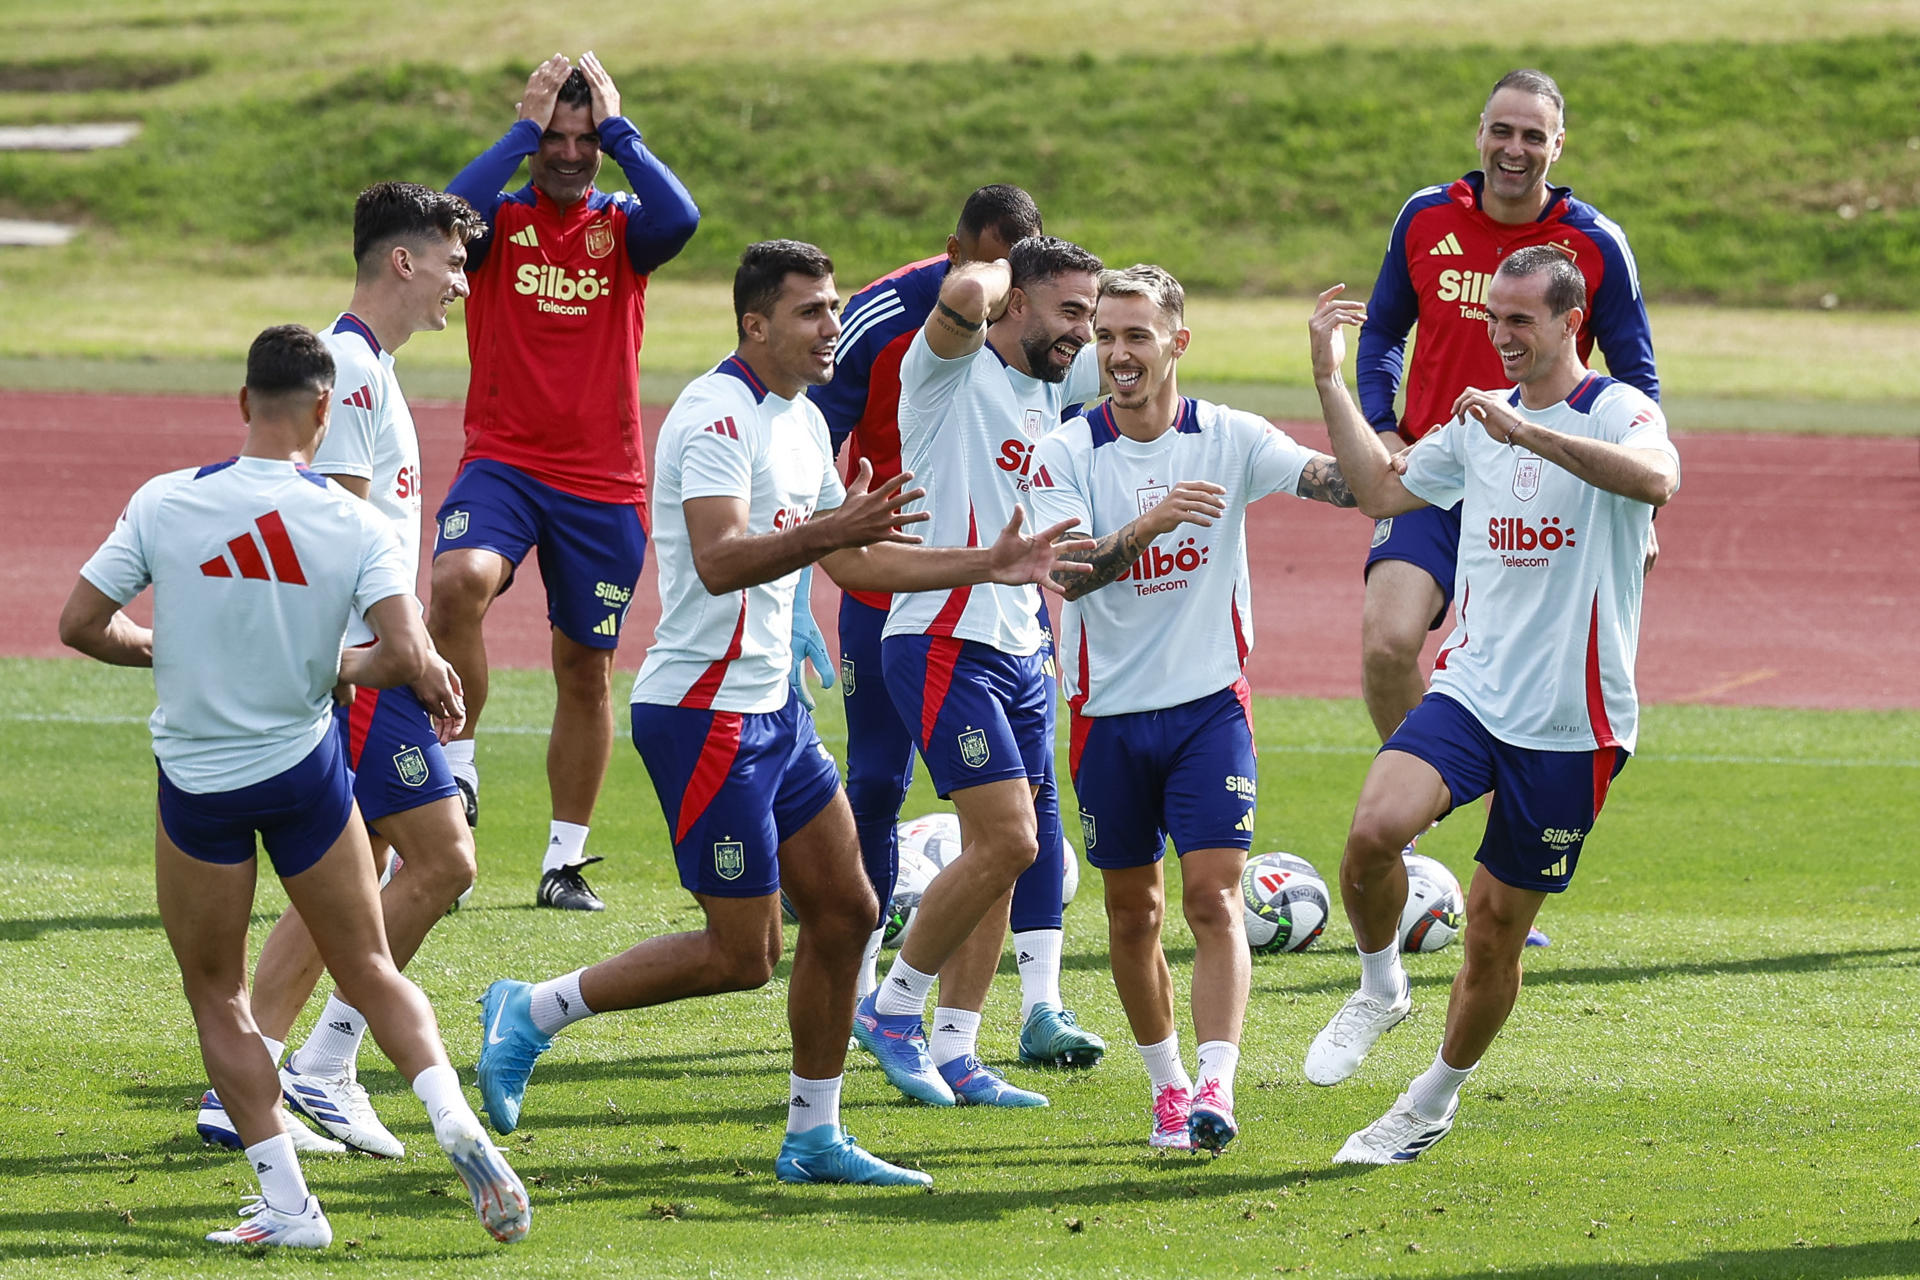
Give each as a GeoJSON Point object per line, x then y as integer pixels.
{"type": "Point", "coordinates": [871, 515]}
{"type": "Point", "coordinates": [439, 691]}
{"type": "Point", "coordinates": [1017, 558]}
{"type": "Point", "coordinates": [1329, 345]}
{"type": "Point", "coordinates": [543, 90]}
{"type": "Point", "coordinates": [1198, 502]}
{"type": "Point", "coordinates": [606, 98]}
{"type": "Point", "coordinates": [1491, 410]}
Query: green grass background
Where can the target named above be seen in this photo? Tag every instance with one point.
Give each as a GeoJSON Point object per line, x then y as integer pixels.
{"type": "Point", "coordinates": [1709, 1074]}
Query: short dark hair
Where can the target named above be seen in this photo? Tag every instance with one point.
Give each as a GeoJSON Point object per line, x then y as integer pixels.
{"type": "Point", "coordinates": [574, 90]}
{"type": "Point", "coordinates": [389, 212]}
{"type": "Point", "coordinates": [763, 272]}
{"type": "Point", "coordinates": [1566, 287]}
{"type": "Point", "coordinates": [286, 358]}
{"type": "Point", "coordinates": [1003, 208]}
{"type": "Point", "coordinates": [1537, 83]}
{"type": "Point", "coordinates": [1037, 259]}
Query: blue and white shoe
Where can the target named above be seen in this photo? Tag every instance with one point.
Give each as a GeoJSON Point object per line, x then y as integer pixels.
{"type": "Point", "coordinates": [498, 1196]}
{"type": "Point", "coordinates": [216, 1126]}
{"type": "Point", "coordinates": [1210, 1124]}
{"type": "Point", "coordinates": [899, 1042]}
{"type": "Point", "coordinates": [975, 1084]}
{"type": "Point", "coordinates": [1535, 938]}
{"type": "Point", "coordinates": [339, 1105]}
{"type": "Point", "coordinates": [1051, 1037]}
{"type": "Point", "coordinates": [827, 1154]}
{"type": "Point", "coordinates": [262, 1224]}
{"type": "Point", "coordinates": [509, 1046]}
{"type": "Point", "coordinates": [1396, 1137]}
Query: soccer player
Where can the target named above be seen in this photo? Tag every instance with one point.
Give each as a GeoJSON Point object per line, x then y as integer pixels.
{"type": "Point", "coordinates": [1533, 695]}
{"type": "Point", "coordinates": [1162, 483]}
{"type": "Point", "coordinates": [748, 496]}
{"type": "Point", "coordinates": [409, 248]}
{"type": "Point", "coordinates": [1003, 352]}
{"type": "Point", "coordinates": [257, 566]}
{"type": "Point", "coordinates": [1446, 244]}
{"type": "Point", "coordinates": [862, 405]}
{"type": "Point", "coordinates": [553, 455]}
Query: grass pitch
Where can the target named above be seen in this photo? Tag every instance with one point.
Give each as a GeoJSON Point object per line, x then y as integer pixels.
{"type": "Point", "coordinates": [1708, 1074]}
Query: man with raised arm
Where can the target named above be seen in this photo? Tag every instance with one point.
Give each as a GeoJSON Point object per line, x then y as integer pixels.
{"type": "Point", "coordinates": [1533, 694]}
{"type": "Point", "coordinates": [554, 456]}
{"type": "Point", "coordinates": [748, 498]}
{"type": "Point", "coordinates": [257, 566]}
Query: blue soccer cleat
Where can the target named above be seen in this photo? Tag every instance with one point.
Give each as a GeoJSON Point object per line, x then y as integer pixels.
{"type": "Point", "coordinates": [827, 1154]}
{"type": "Point", "coordinates": [214, 1125]}
{"type": "Point", "coordinates": [1051, 1038]}
{"type": "Point", "coordinates": [1535, 938]}
{"type": "Point", "coordinates": [1210, 1124]}
{"type": "Point", "coordinates": [509, 1046]}
{"type": "Point", "coordinates": [975, 1084]}
{"type": "Point", "coordinates": [899, 1042]}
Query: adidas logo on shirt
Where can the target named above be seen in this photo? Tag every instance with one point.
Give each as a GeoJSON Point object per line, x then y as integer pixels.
{"type": "Point", "coordinates": [525, 237]}
{"type": "Point", "coordinates": [361, 399]}
{"type": "Point", "coordinates": [724, 427]}
{"type": "Point", "coordinates": [246, 555]}
{"type": "Point", "coordinates": [1449, 247]}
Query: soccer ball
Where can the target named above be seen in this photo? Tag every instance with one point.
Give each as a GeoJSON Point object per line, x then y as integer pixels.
{"type": "Point", "coordinates": [1435, 910]}
{"type": "Point", "coordinates": [927, 845]}
{"type": "Point", "coordinates": [1071, 884]}
{"type": "Point", "coordinates": [934, 837]}
{"type": "Point", "coordinates": [1286, 903]}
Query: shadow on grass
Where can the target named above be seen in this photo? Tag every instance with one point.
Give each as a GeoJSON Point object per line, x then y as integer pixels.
{"type": "Point", "coordinates": [32, 930]}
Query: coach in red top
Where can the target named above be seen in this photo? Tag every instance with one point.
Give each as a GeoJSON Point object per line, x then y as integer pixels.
{"type": "Point", "coordinates": [553, 451]}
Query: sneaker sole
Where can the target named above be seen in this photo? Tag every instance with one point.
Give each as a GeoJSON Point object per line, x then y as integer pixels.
{"type": "Point", "coordinates": [1213, 1133]}
{"type": "Point", "coordinates": [501, 1202]}
{"type": "Point", "coordinates": [1079, 1059]}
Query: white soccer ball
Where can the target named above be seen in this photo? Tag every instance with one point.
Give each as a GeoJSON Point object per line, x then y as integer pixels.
{"type": "Point", "coordinates": [1286, 902]}
{"type": "Point", "coordinates": [927, 845]}
{"type": "Point", "coordinates": [1436, 909]}
{"type": "Point", "coordinates": [1071, 884]}
{"type": "Point", "coordinates": [934, 837]}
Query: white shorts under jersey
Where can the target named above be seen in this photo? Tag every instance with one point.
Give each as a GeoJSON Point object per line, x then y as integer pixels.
{"type": "Point", "coordinates": [727, 437]}
{"type": "Point", "coordinates": [1547, 591]}
{"type": "Point", "coordinates": [256, 567]}
{"type": "Point", "coordinates": [1179, 624]}
{"type": "Point", "coordinates": [372, 437]}
{"type": "Point", "coordinates": [968, 428]}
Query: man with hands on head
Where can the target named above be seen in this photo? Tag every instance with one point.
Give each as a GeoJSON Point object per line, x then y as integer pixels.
{"type": "Point", "coordinates": [1533, 695]}
{"type": "Point", "coordinates": [753, 803]}
{"type": "Point", "coordinates": [554, 455]}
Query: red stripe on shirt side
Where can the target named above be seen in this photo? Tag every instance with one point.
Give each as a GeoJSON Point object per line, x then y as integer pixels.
{"type": "Point", "coordinates": [1596, 695]}
{"type": "Point", "coordinates": [948, 619]}
{"type": "Point", "coordinates": [707, 687]}
{"type": "Point", "coordinates": [710, 771]}
{"type": "Point", "coordinates": [359, 720]}
{"type": "Point", "coordinates": [1079, 723]}
{"type": "Point", "coordinates": [942, 656]}
{"type": "Point", "coordinates": [1244, 695]}
{"type": "Point", "coordinates": [1440, 659]}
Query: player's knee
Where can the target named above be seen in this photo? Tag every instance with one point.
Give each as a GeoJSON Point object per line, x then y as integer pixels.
{"type": "Point", "coordinates": [1135, 920]}
{"type": "Point", "coordinates": [581, 674]}
{"type": "Point", "coordinates": [1374, 842]}
{"type": "Point", "coordinates": [1211, 909]}
{"type": "Point", "coordinates": [743, 963]}
{"type": "Point", "coordinates": [461, 593]}
{"type": "Point", "coordinates": [1390, 647]}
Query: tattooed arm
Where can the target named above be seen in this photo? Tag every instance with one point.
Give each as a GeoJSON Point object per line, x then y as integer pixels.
{"type": "Point", "coordinates": [1321, 481]}
{"type": "Point", "coordinates": [972, 297]}
{"type": "Point", "coordinates": [1189, 502]}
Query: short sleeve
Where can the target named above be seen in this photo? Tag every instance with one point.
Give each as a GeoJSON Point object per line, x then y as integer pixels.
{"type": "Point", "coordinates": [1642, 425]}
{"type": "Point", "coordinates": [120, 568]}
{"type": "Point", "coordinates": [1056, 490]}
{"type": "Point", "coordinates": [1083, 379]}
{"type": "Point", "coordinates": [1436, 472]}
{"type": "Point", "coordinates": [833, 492]}
{"type": "Point", "coordinates": [716, 454]}
{"type": "Point", "coordinates": [928, 385]}
{"type": "Point", "coordinates": [1274, 458]}
{"type": "Point", "coordinates": [384, 572]}
{"type": "Point", "coordinates": [348, 447]}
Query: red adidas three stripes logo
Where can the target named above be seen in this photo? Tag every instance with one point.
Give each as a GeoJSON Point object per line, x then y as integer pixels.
{"type": "Point", "coordinates": [724, 427]}
{"type": "Point", "coordinates": [246, 554]}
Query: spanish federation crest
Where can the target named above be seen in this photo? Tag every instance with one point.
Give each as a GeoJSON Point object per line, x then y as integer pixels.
{"type": "Point", "coordinates": [1382, 530]}
{"type": "Point", "coordinates": [454, 526]}
{"type": "Point", "coordinates": [1526, 477]}
{"type": "Point", "coordinates": [412, 766]}
{"type": "Point", "coordinates": [974, 750]}
{"type": "Point", "coordinates": [600, 239]}
{"type": "Point", "coordinates": [846, 677]}
{"type": "Point", "coordinates": [1030, 424]}
{"type": "Point", "coordinates": [729, 859]}
{"type": "Point", "coordinates": [1151, 496]}
{"type": "Point", "coordinates": [1086, 830]}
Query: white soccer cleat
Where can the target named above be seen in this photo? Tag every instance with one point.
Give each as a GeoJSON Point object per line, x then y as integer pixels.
{"type": "Point", "coordinates": [262, 1224]}
{"type": "Point", "coordinates": [1396, 1137]}
{"type": "Point", "coordinates": [339, 1105]}
{"type": "Point", "coordinates": [497, 1193]}
{"type": "Point", "coordinates": [216, 1126]}
{"type": "Point", "coordinates": [1172, 1107]}
{"type": "Point", "coordinates": [1344, 1042]}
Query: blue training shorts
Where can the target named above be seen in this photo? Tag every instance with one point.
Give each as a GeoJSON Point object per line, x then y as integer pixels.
{"type": "Point", "coordinates": [879, 748]}
{"type": "Point", "coordinates": [1428, 537]}
{"type": "Point", "coordinates": [978, 715]}
{"type": "Point", "coordinates": [298, 814]}
{"type": "Point", "coordinates": [394, 753]}
{"type": "Point", "coordinates": [1187, 772]}
{"type": "Point", "coordinates": [590, 552]}
{"type": "Point", "coordinates": [734, 786]}
{"type": "Point", "coordinates": [1544, 802]}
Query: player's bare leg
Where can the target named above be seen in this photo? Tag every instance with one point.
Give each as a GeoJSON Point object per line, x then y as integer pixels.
{"type": "Point", "coordinates": [1136, 914]}
{"type": "Point", "coordinates": [465, 584]}
{"type": "Point", "coordinates": [967, 975]}
{"type": "Point", "coordinates": [1488, 983]}
{"type": "Point", "coordinates": [1401, 602]}
{"type": "Point", "coordinates": [1222, 976]}
{"type": "Point", "coordinates": [577, 754]}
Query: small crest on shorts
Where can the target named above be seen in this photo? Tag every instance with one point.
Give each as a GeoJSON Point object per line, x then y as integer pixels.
{"type": "Point", "coordinates": [411, 766]}
{"type": "Point", "coordinates": [1087, 835]}
{"type": "Point", "coordinates": [846, 676]}
{"type": "Point", "coordinates": [729, 859]}
{"type": "Point", "coordinates": [974, 750]}
{"type": "Point", "coordinates": [1151, 496]}
{"type": "Point", "coordinates": [1382, 530]}
{"type": "Point", "coordinates": [1526, 478]}
{"type": "Point", "coordinates": [600, 239]}
{"type": "Point", "coordinates": [454, 526]}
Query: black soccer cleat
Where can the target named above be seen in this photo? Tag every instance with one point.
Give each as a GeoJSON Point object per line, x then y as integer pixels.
{"type": "Point", "coordinates": [469, 801]}
{"type": "Point", "coordinates": [566, 889]}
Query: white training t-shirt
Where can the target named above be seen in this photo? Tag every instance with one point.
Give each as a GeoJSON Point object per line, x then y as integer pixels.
{"type": "Point", "coordinates": [728, 437]}
{"type": "Point", "coordinates": [1179, 624]}
{"type": "Point", "coordinates": [1547, 593]}
{"type": "Point", "coordinates": [256, 567]}
{"type": "Point", "coordinates": [371, 436]}
{"type": "Point", "coordinates": [968, 428]}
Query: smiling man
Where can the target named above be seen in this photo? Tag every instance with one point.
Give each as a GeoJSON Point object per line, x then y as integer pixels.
{"type": "Point", "coordinates": [554, 456]}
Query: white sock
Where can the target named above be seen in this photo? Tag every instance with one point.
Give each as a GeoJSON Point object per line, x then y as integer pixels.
{"type": "Point", "coordinates": [282, 1184]}
{"type": "Point", "coordinates": [1381, 976]}
{"type": "Point", "coordinates": [1219, 1059]}
{"type": "Point", "coordinates": [869, 976]}
{"type": "Point", "coordinates": [905, 990]}
{"type": "Point", "coordinates": [276, 1049]}
{"type": "Point", "coordinates": [439, 1089]}
{"type": "Point", "coordinates": [1163, 1064]}
{"type": "Point", "coordinates": [334, 1043]}
{"type": "Point", "coordinates": [1433, 1090]}
{"type": "Point", "coordinates": [557, 1003]}
{"type": "Point", "coordinates": [812, 1103]}
{"type": "Point", "coordinates": [1038, 952]}
{"type": "Point", "coordinates": [956, 1034]}
{"type": "Point", "coordinates": [566, 845]}
{"type": "Point", "coordinates": [459, 754]}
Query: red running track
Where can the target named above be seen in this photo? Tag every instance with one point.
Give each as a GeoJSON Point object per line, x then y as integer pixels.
{"type": "Point", "coordinates": [1787, 575]}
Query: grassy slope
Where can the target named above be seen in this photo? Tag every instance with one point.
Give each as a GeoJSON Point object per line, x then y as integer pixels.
{"type": "Point", "coordinates": [1706, 1075]}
